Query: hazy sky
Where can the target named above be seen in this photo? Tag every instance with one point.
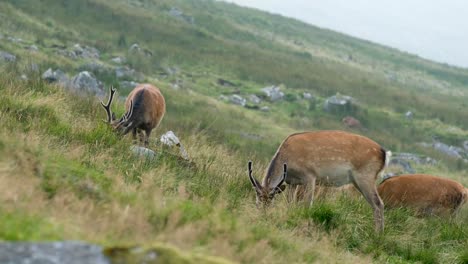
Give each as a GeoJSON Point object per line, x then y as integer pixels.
{"type": "Point", "coordinates": [433, 29]}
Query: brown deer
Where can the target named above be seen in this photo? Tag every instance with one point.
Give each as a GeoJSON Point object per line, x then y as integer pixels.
{"type": "Point", "coordinates": [145, 108]}
{"type": "Point", "coordinates": [424, 193]}
{"type": "Point", "coordinates": [329, 158]}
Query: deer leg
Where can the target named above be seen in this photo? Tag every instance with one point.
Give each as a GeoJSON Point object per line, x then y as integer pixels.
{"type": "Point", "coordinates": [369, 191]}
{"type": "Point", "coordinates": [134, 135]}
{"type": "Point", "coordinates": [148, 133]}
{"type": "Point", "coordinates": [141, 136]}
{"type": "Point", "coordinates": [309, 190]}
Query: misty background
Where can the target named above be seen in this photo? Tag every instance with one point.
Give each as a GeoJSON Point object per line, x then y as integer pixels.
{"type": "Point", "coordinates": [435, 29]}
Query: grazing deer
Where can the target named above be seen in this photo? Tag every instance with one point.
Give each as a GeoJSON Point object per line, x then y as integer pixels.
{"type": "Point", "coordinates": [145, 108]}
{"type": "Point", "coordinates": [426, 194]}
{"type": "Point", "coordinates": [329, 158]}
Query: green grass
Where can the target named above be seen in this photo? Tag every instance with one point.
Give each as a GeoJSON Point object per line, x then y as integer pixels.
{"type": "Point", "coordinates": [71, 177]}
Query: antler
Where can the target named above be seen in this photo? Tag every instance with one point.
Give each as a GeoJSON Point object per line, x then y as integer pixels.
{"type": "Point", "coordinates": [252, 179]}
{"type": "Point", "coordinates": [130, 112]}
{"type": "Point", "coordinates": [107, 107]}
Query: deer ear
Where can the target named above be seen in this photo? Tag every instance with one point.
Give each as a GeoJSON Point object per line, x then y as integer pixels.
{"type": "Point", "coordinates": [279, 189]}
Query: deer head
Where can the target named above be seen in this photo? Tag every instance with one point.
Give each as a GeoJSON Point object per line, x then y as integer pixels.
{"type": "Point", "coordinates": [265, 194]}
{"type": "Point", "coordinates": [117, 124]}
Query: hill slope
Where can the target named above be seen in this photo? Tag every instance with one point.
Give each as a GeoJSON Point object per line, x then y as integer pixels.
{"type": "Point", "coordinates": [65, 175]}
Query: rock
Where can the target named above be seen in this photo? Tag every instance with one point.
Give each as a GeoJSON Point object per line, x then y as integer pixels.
{"type": "Point", "coordinates": [407, 168]}
{"type": "Point", "coordinates": [254, 99]}
{"type": "Point", "coordinates": [307, 96]}
{"type": "Point", "coordinates": [418, 159]}
{"type": "Point", "coordinates": [33, 48]}
{"type": "Point", "coordinates": [56, 76]}
{"type": "Point", "coordinates": [67, 53]}
{"type": "Point", "coordinates": [273, 93]}
{"type": "Point", "coordinates": [237, 100]}
{"type": "Point", "coordinates": [15, 40]}
{"type": "Point", "coordinates": [223, 98]}
{"type": "Point", "coordinates": [24, 77]}
{"type": "Point", "coordinates": [134, 48]}
{"type": "Point", "coordinates": [118, 60]}
{"type": "Point", "coordinates": [170, 139]}
{"type": "Point", "coordinates": [225, 83]}
{"type": "Point", "coordinates": [86, 82]}
{"type": "Point", "coordinates": [177, 13]}
{"type": "Point", "coordinates": [451, 151]}
{"type": "Point", "coordinates": [86, 51]}
{"type": "Point", "coordinates": [8, 57]}
{"type": "Point", "coordinates": [265, 109]}
{"type": "Point", "coordinates": [95, 67]}
{"type": "Point", "coordinates": [172, 70]}
{"type": "Point", "coordinates": [125, 72]}
{"type": "Point", "coordinates": [409, 115]}
{"type": "Point", "coordinates": [143, 152]}
{"type": "Point", "coordinates": [339, 103]}
{"type": "Point", "coordinates": [128, 84]}
{"type": "Point", "coordinates": [465, 145]}
{"type": "Point", "coordinates": [70, 252]}
{"type": "Point", "coordinates": [351, 122]}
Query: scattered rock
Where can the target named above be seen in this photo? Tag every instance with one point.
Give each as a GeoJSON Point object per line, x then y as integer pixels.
{"type": "Point", "coordinates": [177, 13]}
{"type": "Point", "coordinates": [451, 151]}
{"type": "Point", "coordinates": [70, 252]}
{"type": "Point", "coordinates": [170, 139]}
{"type": "Point", "coordinates": [465, 145]}
{"type": "Point", "coordinates": [143, 152]}
{"type": "Point", "coordinates": [86, 82]}
{"type": "Point", "coordinates": [125, 72]}
{"type": "Point", "coordinates": [265, 109]}
{"type": "Point", "coordinates": [223, 98]}
{"type": "Point", "coordinates": [254, 99]}
{"type": "Point", "coordinates": [172, 70]}
{"type": "Point", "coordinates": [8, 57]}
{"type": "Point", "coordinates": [405, 165]}
{"type": "Point", "coordinates": [15, 40]}
{"type": "Point", "coordinates": [86, 51]}
{"type": "Point", "coordinates": [128, 84]}
{"type": "Point", "coordinates": [418, 159]}
{"type": "Point", "coordinates": [33, 48]}
{"type": "Point", "coordinates": [273, 93]}
{"type": "Point", "coordinates": [351, 122]}
{"type": "Point", "coordinates": [95, 67]}
{"type": "Point", "coordinates": [134, 48]}
{"type": "Point", "coordinates": [237, 100]}
{"type": "Point", "coordinates": [307, 96]}
{"type": "Point", "coordinates": [78, 51]}
{"type": "Point", "coordinates": [339, 103]}
{"type": "Point", "coordinates": [56, 76]}
{"type": "Point", "coordinates": [118, 60]}
{"type": "Point", "coordinates": [409, 115]}
{"type": "Point", "coordinates": [67, 53]}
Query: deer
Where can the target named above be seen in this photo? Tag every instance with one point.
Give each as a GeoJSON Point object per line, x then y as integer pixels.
{"type": "Point", "coordinates": [327, 157]}
{"type": "Point", "coordinates": [145, 107]}
{"type": "Point", "coordinates": [426, 194]}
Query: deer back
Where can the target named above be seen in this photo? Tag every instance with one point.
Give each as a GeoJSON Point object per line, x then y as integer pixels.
{"type": "Point", "coordinates": [426, 193]}
{"type": "Point", "coordinates": [148, 105]}
{"type": "Point", "coordinates": [327, 155]}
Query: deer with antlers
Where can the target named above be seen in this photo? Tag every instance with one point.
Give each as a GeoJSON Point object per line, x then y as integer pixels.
{"type": "Point", "coordinates": [329, 158]}
{"type": "Point", "coordinates": [145, 107]}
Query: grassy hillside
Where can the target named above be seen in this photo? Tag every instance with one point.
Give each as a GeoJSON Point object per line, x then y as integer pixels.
{"type": "Point", "coordinates": [65, 175]}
